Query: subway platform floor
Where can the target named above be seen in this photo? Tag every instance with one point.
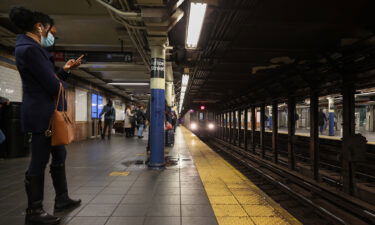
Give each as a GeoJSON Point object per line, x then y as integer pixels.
{"type": "Point", "coordinates": [117, 188]}
{"type": "Point", "coordinates": [142, 197]}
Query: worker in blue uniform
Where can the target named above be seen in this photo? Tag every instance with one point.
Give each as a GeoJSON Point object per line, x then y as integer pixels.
{"type": "Point", "coordinates": [40, 86]}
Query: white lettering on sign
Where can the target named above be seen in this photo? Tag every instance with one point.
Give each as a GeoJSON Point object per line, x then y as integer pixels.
{"type": "Point", "coordinates": [157, 67]}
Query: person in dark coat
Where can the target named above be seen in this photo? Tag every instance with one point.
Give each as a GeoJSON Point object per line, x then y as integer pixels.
{"type": "Point", "coordinates": [109, 118]}
{"type": "Point", "coordinates": [141, 121]}
{"type": "Point", "coordinates": [322, 120]}
{"type": "Point", "coordinates": [148, 118]}
{"type": "Point", "coordinates": [40, 86]}
{"type": "Point", "coordinates": [3, 103]}
{"type": "Point", "coordinates": [133, 121]}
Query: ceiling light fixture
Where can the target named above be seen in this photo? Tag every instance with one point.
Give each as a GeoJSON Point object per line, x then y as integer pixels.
{"type": "Point", "coordinates": [196, 17]}
{"type": "Point", "coordinates": [185, 81]}
{"type": "Point", "coordinates": [130, 84]}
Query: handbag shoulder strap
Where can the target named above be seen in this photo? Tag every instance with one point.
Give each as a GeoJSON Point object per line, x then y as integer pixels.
{"type": "Point", "coordinates": [48, 132]}
{"type": "Point", "coordinates": [58, 96]}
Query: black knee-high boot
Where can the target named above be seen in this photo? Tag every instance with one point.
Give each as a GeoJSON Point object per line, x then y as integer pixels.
{"type": "Point", "coordinates": [35, 214]}
{"type": "Point", "coordinates": [62, 200]}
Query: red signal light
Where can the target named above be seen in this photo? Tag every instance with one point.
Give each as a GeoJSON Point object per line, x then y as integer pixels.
{"type": "Point", "coordinates": [203, 107]}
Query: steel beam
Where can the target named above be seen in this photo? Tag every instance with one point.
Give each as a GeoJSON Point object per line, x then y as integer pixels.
{"type": "Point", "coordinates": [262, 129]}
{"type": "Point", "coordinates": [227, 127]}
{"type": "Point", "coordinates": [253, 125]}
{"type": "Point", "coordinates": [239, 128]}
{"type": "Point", "coordinates": [291, 132]}
{"type": "Point", "coordinates": [221, 126]}
{"type": "Point", "coordinates": [314, 133]}
{"type": "Point", "coordinates": [245, 129]}
{"type": "Point", "coordinates": [230, 126]}
{"type": "Point", "coordinates": [274, 131]}
{"type": "Point", "coordinates": [348, 131]}
{"type": "Point", "coordinates": [224, 126]}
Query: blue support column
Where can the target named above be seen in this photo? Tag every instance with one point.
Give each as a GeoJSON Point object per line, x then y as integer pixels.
{"type": "Point", "coordinates": [331, 124]}
{"type": "Point", "coordinates": [331, 117]}
{"type": "Point", "coordinates": [157, 85]}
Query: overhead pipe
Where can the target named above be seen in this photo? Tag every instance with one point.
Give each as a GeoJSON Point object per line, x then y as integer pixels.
{"type": "Point", "coordinates": [139, 37]}
{"type": "Point", "coordinates": [125, 5]}
{"type": "Point", "coordinates": [126, 15]}
{"type": "Point", "coordinates": [132, 37]}
{"type": "Point", "coordinates": [123, 21]}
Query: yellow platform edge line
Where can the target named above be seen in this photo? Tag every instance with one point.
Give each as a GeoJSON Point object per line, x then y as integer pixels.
{"type": "Point", "coordinates": [279, 209]}
{"type": "Point", "coordinates": [287, 216]}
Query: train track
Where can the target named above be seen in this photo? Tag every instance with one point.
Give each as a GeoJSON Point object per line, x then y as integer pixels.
{"type": "Point", "coordinates": [307, 203]}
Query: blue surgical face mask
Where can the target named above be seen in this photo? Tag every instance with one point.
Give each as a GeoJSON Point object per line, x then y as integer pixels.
{"type": "Point", "coordinates": [48, 41]}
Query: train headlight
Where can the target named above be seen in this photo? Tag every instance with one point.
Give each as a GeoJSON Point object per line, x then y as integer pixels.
{"type": "Point", "coordinates": [211, 126]}
{"type": "Point", "coordinates": [193, 126]}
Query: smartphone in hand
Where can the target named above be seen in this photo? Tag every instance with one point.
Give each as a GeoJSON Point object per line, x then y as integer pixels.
{"type": "Point", "coordinates": [78, 60]}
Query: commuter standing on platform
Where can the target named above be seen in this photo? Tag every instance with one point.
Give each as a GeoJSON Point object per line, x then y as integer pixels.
{"type": "Point", "coordinates": [127, 122]}
{"type": "Point", "coordinates": [322, 120]}
{"type": "Point", "coordinates": [148, 118]}
{"type": "Point", "coordinates": [174, 120]}
{"type": "Point", "coordinates": [109, 118]}
{"type": "Point", "coordinates": [133, 121]}
{"type": "Point", "coordinates": [3, 102]}
{"type": "Point", "coordinates": [40, 86]}
{"type": "Point", "coordinates": [141, 121]}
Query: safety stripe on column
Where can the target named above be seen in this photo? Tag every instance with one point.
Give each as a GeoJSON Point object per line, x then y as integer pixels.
{"type": "Point", "coordinates": [157, 83]}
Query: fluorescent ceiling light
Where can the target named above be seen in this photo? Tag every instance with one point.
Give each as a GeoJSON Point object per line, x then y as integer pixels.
{"type": "Point", "coordinates": [196, 16]}
{"type": "Point", "coordinates": [130, 84]}
{"type": "Point", "coordinates": [185, 80]}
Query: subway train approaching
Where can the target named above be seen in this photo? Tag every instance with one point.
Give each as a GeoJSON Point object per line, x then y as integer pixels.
{"type": "Point", "coordinates": [201, 121]}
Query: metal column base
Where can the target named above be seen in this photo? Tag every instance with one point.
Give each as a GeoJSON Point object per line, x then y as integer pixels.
{"type": "Point", "coordinates": [156, 166]}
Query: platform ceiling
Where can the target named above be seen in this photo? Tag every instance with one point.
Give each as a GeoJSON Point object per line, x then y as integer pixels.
{"type": "Point", "coordinates": [86, 26]}
{"type": "Point", "coordinates": [253, 50]}
{"type": "Point", "coordinates": [249, 50]}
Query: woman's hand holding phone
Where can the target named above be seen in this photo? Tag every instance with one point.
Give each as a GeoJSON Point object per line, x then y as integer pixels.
{"type": "Point", "coordinates": [73, 63]}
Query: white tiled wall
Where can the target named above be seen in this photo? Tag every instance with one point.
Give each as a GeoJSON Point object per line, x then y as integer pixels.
{"type": "Point", "coordinates": [81, 105]}
{"type": "Point", "coordinates": [10, 84]}
{"type": "Point", "coordinates": [120, 111]}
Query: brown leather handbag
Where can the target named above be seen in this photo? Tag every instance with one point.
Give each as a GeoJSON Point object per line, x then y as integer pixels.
{"type": "Point", "coordinates": [61, 128]}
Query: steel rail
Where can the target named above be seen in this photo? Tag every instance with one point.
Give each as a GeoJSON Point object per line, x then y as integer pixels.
{"type": "Point", "coordinates": [350, 204]}
{"type": "Point", "coordinates": [283, 186]}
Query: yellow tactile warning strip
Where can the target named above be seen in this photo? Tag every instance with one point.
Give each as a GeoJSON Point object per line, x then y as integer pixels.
{"type": "Point", "coordinates": [234, 198]}
{"type": "Point", "coordinates": [119, 174]}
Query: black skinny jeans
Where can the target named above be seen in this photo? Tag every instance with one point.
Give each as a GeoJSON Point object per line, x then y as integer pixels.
{"type": "Point", "coordinates": [108, 124]}
{"type": "Point", "coordinates": [40, 153]}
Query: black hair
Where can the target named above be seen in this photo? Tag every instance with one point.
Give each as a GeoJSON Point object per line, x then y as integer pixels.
{"type": "Point", "coordinates": [25, 19]}
{"type": "Point", "coordinates": [110, 103]}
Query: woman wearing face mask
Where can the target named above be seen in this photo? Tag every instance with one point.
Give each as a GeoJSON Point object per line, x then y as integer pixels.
{"type": "Point", "coordinates": [40, 83]}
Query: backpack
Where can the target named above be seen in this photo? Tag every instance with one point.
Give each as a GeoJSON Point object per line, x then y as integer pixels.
{"type": "Point", "coordinates": [109, 113]}
{"type": "Point", "coordinates": [140, 117]}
